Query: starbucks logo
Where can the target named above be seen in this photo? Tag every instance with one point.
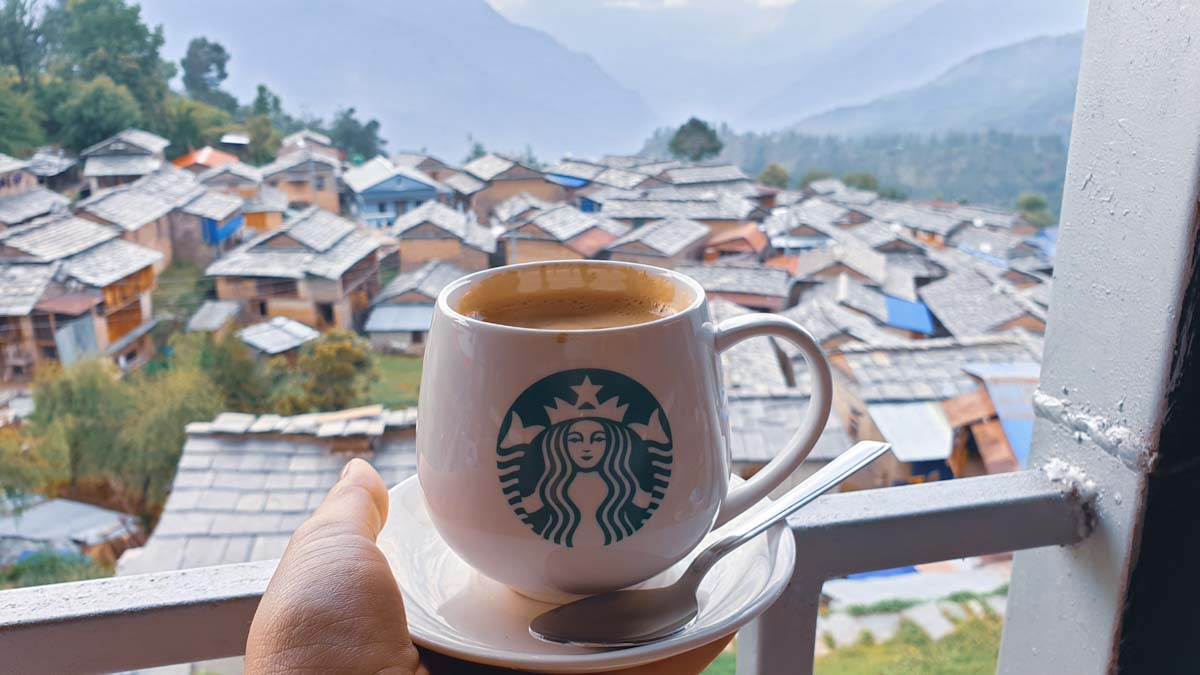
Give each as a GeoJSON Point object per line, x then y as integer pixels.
{"type": "Point", "coordinates": [585, 457]}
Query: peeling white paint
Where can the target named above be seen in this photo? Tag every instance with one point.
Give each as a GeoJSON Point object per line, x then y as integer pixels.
{"type": "Point", "coordinates": [1116, 439]}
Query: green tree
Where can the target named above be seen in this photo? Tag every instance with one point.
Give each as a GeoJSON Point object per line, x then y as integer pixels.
{"type": "Point", "coordinates": [192, 124]}
{"type": "Point", "coordinates": [22, 42]}
{"type": "Point", "coordinates": [77, 419]}
{"type": "Point", "coordinates": [1035, 209]}
{"type": "Point", "coordinates": [812, 176]}
{"type": "Point", "coordinates": [22, 470]}
{"type": "Point", "coordinates": [96, 111]}
{"type": "Point", "coordinates": [152, 434]}
{"type": "Point", "coordinates": [20, 132]}
{"type": "Point", "coordinates": [242, 380]}
{"type": "Point", "coordinates": [354, 137]}
{"type": "Point", "coordinates": [694, 141]}
{"type": "Point", "coordinates": [90, 38]}
{"type": "Point", "coordinates": [51, 567]}
{"type": "Point", "coordinates": [774, 175]}
{"type": "Point", "coordinates": [862, 181]}
{"type": "Point", "coordinates": [333, 372]}
{"type": "Point", "coordinates": [266, 102]}
{"type": "Point", "coordinates": [204, 71]}
{"type": "Point", "coordinates": [264, 139]}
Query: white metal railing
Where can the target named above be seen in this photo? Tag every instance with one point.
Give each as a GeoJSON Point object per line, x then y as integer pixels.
{"type": "Point", "coordinates": [148, 620]}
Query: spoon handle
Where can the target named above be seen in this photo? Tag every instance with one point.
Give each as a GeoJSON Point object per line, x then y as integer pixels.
{"type": "Point", "coordinates": [828, 476]}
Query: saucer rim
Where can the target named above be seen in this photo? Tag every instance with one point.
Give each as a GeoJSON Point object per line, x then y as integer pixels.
{"type": "Point", "coordinates": [782, 570]}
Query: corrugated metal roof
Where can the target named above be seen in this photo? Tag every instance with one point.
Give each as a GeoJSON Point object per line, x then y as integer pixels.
{"type": "Point", "coordinates": [918, 431]}
{"type": "Point", "coordinates": [399, 319]}
{"type": "Point", "coordinates": [47, 162]}
{"type": "Point", "coordinates": [907, 315]}
{"type": "Point", "coordinates": [56, 520]}
{"type": "Point", "coordinates": [278, 335]}
{"type": "Point", "coordinates": [9, 163]}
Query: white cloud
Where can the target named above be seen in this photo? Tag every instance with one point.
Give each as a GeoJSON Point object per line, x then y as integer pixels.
{"type": "Point", "coordinates": [772, 4]}
{"type": "Point", "coordinates": [646, 4]}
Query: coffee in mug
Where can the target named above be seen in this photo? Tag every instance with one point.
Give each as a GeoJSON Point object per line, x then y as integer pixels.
{"type": "Point", "coordinates": [572, 434]}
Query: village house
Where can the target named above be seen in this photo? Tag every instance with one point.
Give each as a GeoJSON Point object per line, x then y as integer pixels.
{"type": "Point", "coordinates": [403, 310]}
{"type": "Point", "coordinates": [722, 213]}
{"type": "Point", "coordinates": [517, 207]}
{"type": "Point", "coordinates": [767, 289]}
{"type": "Point", "coordinates": [122, 158]}
{"type": "Point", "coordinates": [426, 164]}
{"type": "Point", "coordinates": [463, 188]}
{"type": "Point", "coordinates": [833, 325]}
{"type": "Point", "coordinates": [309, 141]}
{"type": "Point", "coordinates": [55, 169]}
{"type": "Point", "coordinates": [924, 224]}
{"type": "Point", "coordinates": [503, 178]}
{"type": "Point", "coordinates": [72, 288]}
{"type": "Point", "coordinates": [381, 191]}
{"type": "Point", "coordinates": [669, 242]}
{"type": "Point", "coordinates": [36, 524]}
{"type": "Point", "coordinates": [747, 242]}
{"type": "Point", "coordinates": [837, 191]}
{"type": "Point", "coordinates": [278, 337]}
{"type": "Point", "coordinates": [21, 198]}
{"type": "Point", "coordinates": [967, 304]}
{"type": "Point", "coordinates": [233, 177]}
{"type": "Point", "coordinates": [199, 161]}
{"type": "Point", "coordinates": [307, 177]}
{"type": "Point", "coordinates": [264, 212]}
{"type": "Point", "coordinates": [434, 231]}
{"type": "Point", "coordinates": [561, 232]}
{"type": "Point", "coordinates": [317, 269]}
{"type": "Point", "coordinates": [207, 227]}
{"type": "Point", "coordinates": [895, 316]}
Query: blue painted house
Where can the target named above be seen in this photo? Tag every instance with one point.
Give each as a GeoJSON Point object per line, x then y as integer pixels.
{"type": "Point", "coordinates": [381, 191]}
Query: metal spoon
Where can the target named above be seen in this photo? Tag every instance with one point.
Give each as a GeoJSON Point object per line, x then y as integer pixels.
{"type": "Point", "coordinates": [635, 617]}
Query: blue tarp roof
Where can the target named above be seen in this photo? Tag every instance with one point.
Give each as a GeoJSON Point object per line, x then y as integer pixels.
{"type": "Point", "coordinates": [566, 181]}
{"type": "Point", "coordinates": [908, 315]}
{"type": "Point", "coordinates": [1011, 387]}
{"type": "Point", "coordinates": [892, 572]}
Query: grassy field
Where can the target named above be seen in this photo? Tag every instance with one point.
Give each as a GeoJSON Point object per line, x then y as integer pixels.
{"type": "Point", "coordinates": [399, 379]}
{"type": "Point", "coordinates": [970, 650]}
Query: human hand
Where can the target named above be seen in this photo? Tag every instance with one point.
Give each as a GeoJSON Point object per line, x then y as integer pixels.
{"type": "Point", "coordinates": [333, 604]}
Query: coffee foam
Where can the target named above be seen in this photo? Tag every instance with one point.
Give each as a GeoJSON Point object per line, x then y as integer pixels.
{"type": "Point", "coordinates": [573, 297]}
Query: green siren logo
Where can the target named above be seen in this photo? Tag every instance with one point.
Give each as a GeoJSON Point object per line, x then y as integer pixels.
{"type": "Point", "coordinates": [585, 457]}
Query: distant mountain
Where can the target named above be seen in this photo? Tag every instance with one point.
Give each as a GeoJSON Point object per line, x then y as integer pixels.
{"type": "Point", "coordinates": [871, 64]}
{"type": "Point", "coordinates": [431, 72]}
{"type": "Point", "coordinates": [1027, 88]}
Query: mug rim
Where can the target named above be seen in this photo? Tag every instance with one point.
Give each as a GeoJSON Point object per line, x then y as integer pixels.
{"type": "Point", "coordinates": [699, 297]}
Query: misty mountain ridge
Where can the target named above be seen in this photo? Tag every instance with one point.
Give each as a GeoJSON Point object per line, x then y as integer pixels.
{"type": "Point", "coordinates": [1026, 88]}
{"type": "Point", "coordinates": [431, 72]}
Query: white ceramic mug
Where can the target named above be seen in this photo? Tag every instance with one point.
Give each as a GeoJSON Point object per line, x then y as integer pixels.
{"type": "Point", "coordinates": [581, 461]}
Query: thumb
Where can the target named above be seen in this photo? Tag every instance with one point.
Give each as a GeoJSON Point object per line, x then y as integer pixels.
{"type": "Point", "coordinates": [356, 504]}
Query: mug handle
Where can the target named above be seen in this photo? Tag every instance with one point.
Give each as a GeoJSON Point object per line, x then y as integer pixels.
{"type": "Point", "coordinates": [739, 328]}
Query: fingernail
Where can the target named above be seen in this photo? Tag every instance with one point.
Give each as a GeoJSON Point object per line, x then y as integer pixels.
{"type": "Point", "coordinates": [345, 470]}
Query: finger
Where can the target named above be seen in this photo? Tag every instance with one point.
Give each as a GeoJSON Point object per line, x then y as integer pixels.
{"type": "Point", "coordinates": [356, 504]}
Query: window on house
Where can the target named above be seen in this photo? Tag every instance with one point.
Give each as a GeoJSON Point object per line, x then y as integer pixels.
{"type": "Point", "coordinates": [418, 337]}
{"type": "Point", "coordinates": [261, 306]}
{"type": "Point", "coordinates": [320, 182]}
{"type": "Point", "coordinates": [382, 207]}
{"type": "Point", "coordinates": [325, 310]}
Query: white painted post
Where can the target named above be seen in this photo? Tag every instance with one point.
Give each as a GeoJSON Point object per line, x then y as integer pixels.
{"type": "Point", "coordinates": [1123, 262]}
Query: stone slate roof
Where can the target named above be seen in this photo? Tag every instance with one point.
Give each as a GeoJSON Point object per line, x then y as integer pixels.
{"type": "Point", "coordinates": [126, 207]}
{"type": "Point", "coordinates": [752, 367]}
{"type": "Point", "coordinates": [428, 280]}
{"type": "Point", "coordinates": [825, 319]}
{"type": "Point", "coordinates": [144, 140]}
{"type": "Point", "coordinates": [245, 483]}
{"type": "Point", "coordinates": [517, 205]}
{"type": "Point", "coordinates": [576, 169]}
{"type": "Point", "coordinates": [22, 285]}
{"type": "Point", "coordinates": [37, 201]}
{"type": "Point", "coordinates": [399, 319]}
{"type": "Point", "coordinates": [623, 179]}
{"type": "Point", "coordinates": [327, 246]}
{"type": "Point", "coordinates": [214, 205]}
{"type": "Point", "coordinates": [109, 262]}
{"type": "Point", "coordinates": [56, 237]}
{"type": "Point", "coordinates": [48, 162]}
{"type": "Point", "coordinates": [665, 237]}
{"type": "Point", "coordinates": [212, 316]}
{"type": "Point", "coordinates": [241, 170]}
{"type": "Point", "coordinates": [295, 159]}
{"type": "Point", "coordinates": [989, 216]}
{"type": "Point", "coordinates": [847, 251]}
{"type": "Point", "coordinates": [278, 335]}
{"type": "Point", "coordinates": [461, 226]}
{"type": "Point", "coordinates": [725, 207]}
{"type": "Point", "coordinates": [860, 297]}
{"type": "Point", "coordinates": [968, 304]}
{"type": "Point", "coordinates": [985, 241]}
{"type": "Point", "coordinates": [716, 173]}
{"type": "Point", "coordinates": [701, 192]}
{"type": "Point", "coordinates": [928, 370]}
{"type": "Point", "coordinates": [760, 426]}
{"type": "Point", "coordinates": [770, 282]}
{"type": "Point", "coordinates": [876, 234]}
{"type": "Point", "coordinates": [464, 183]}
{"type": "Point", "coordinates": [9, 163]}
{"type": "Point", "coordinates": [565, 222]}
{"type": "Point", "coordinates": [269, 200]}
{"type": "Point", "coordinates": [120, 165]}
{"type": "Point", "coordinates": [914, 217]}
{"type": "Point", "coordinates": [488, 167]}
{"type": "Point", "coordinates": [304, 135]}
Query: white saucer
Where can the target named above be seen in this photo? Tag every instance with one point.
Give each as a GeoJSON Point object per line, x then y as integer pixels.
{"type": "Point", "coordinates": [456, 611]}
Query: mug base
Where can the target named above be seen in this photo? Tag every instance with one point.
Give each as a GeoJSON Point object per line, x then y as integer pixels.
{"type": "Point", "coordinates": [548, 597]}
